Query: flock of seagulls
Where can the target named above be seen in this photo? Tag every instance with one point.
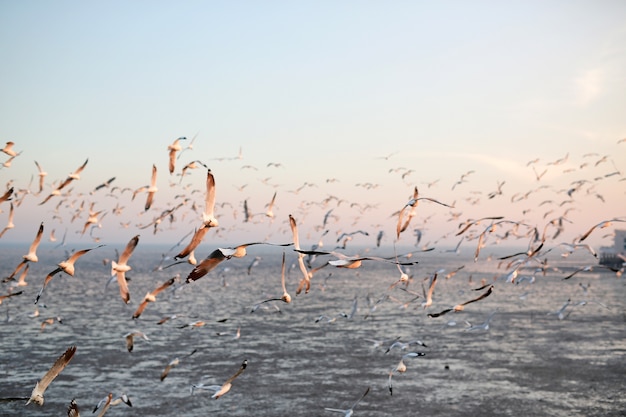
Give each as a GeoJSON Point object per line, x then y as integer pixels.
{"type": "Point", "coordinates": [473, 231]}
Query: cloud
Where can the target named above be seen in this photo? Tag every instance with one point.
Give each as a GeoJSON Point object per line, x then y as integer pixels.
{"type": "Point", "coordinates": [589, 86]}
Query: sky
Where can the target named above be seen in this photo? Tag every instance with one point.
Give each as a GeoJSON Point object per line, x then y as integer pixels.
{"type": "Point", "coordinates": [332, 105]}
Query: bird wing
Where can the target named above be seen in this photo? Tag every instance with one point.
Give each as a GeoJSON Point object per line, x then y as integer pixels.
{"type": "Point", "coordinates": [441, 313]}
{"type": "Point", "coordinates": [163, 286]}
{"type": "Point", "coordinates": [141, 308]}
{"type": "Point", "coordinates": [483, 295]}
{"type": "Point", "coordinates": [198, 236]}
{"type": "Point", "coordinates": [209, 209]}
{"type": "Point", "coordinates": [72, 410]}
{"type": "Point", "coordinates": [46, 281]}
{"type": "Point", "coordinates": [6, 196]}
{"type": "Point", "coordinates": [80, 168]}
{"type": "Point", "coordinates": [172, 164]}
{"type": "Point", "coordinates": [56, 369]}
{"type": "Point", "coordinates": [35, 244]}
{"type": "Point", "coordinates": [399, 225]}
{"type": "Point", "coordinates": [435, 201]}
{"type": "Point", "coordinates": [294, 231]}
{"type": "Point", "coordinates": [362, 396]}
{"type": "Point", "coordinates": [130, 247]}
{"type": "Point", "coordinates": [149, 200]}
{"type": "Point", "coordinates": [78, 254]}
{"type": "Point", "coordinates": [123, 285]}
{"type": "Point", "coordinates": [207, 265]}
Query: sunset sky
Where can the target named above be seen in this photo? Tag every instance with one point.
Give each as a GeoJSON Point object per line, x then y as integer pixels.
{"type": "Point", "coordinates": [363, 99]}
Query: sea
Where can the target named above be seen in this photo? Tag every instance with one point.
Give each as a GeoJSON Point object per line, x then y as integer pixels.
{"type": "Point", "coordinates": [533, 345]}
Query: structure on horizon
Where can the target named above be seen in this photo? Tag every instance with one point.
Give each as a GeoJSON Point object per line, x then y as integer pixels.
{"type": "Point", "coordinates": [614, 256]}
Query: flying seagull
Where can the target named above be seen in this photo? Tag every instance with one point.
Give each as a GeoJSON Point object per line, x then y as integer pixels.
{"type": "Point", "coordinates": [120, 268]}
{"type": "Point", "coordinates": [150, 297]}
{"type": "Point", "coordinates": [66, 266]}
{"type": "Point", "coordinates": [37, 395]}
{"type": "Point", "coordinates": [348, 412]}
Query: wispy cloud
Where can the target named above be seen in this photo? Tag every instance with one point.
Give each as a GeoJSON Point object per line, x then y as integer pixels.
{"type": "Point", "coordinates": [589, 86]}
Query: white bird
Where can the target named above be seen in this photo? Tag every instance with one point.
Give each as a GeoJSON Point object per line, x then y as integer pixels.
{"type": "Point", "coordinates": [270, 212]}
{"type": "Point", "coordinates": [226, 386]}
{"type": "Point", "coordinates": [601, 225]}
{"type": "Point", "coordinates": [42, 174]}
{"type": "Point", "coordinates": [120, 268]}
{"type": "Point", "coordinates": [208, 218]}
{"type": "Point", "coordinates": [10, 224]}
{"type": "Point", "coordinates": [152, 188]}
{"type": "Point", "coordinates": [66, 266]}
{"type": "Point", "coordinates": [31, 256]}
{"type": "Point", "coordinates": [109, 401]}
{"type": "Point", "coordinates": [428, 295]}
{"type": "Point", "coordinates": [560, 313]}
{"type": "Point", "coordinates": [72, 410]}
{"type": "Point", "coordinates": [220, 254]}
{"type": "Point", "coordinates": [71, 177]}
{"type": "Point", "coordinates": [37, 395]}
{"type": "Point", "coordinates": [461, 307]}
{"type": "Point", "coordinates": [173, 148]}
{"type": "Point", "coordinates": [130, 339]}
{"type": "Point", "coordinates": [150, 297]}
{"type": "Point", "coordinates": [8, 149]}
{"type": "Point", "coordinates": [482, 326]}
{"type": "Point", "coordinates": [404, 345]}
{"type": "Point", "coordinates": [348, 412]}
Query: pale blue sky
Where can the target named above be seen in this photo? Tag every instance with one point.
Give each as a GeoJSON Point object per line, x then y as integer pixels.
{"type": "Point", "coordinates": [325, 88]}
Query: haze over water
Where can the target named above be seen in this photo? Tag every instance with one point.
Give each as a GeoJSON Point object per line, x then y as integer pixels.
{"type": "Point", "coordinates": [344, 113]}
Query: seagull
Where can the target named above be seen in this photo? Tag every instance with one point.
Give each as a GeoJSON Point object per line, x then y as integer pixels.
{"type": "Point", "coordinates": [305, 282]}
{"type": "Point", "coordinates": [37, 395]}
{"type": "Point", "coordinates": [190, 165]}
{"type": "Point", "coordinates": [404, 345]}
{"type": "Point", "coordinates": [174, 362]}
{"type": "Point", "coordinates": [120, 268]}
{"type": "Point", "coordinates": [150, 297]}
{"type": "Point", "coordinates": [351, 262]}
{"type": "Point", "coordinates": [7, 195]}
{"type": "Point", "coordinates": [71, 177]}
{"type": "Point", "coordinates": [21, 281]}
{"type": "Point", "coordinates": [8, 149]}
{"type": "Point", "coordinates": [50, 321]}
{"type": "Point", "coordinates": [348, 412]}
{"type": "Point", "coordinates": [460, 307]}
{"type": "Point", "coordinates": [152, 188]}
{"type": "Point", "coordinates": [130, 337]}
{"type": "Point", "coordinates": [10, 224]}
{"type": "Point", "coordinates": [5, 296]}
{"type": "Point", "coordinates": [601, 225]}
{"type": "Point", "coordinates": [428, 296]}
{"type": "Point", "coordinates": [286, 298]}
{"type": "Point", "coordinates": [560, 313]}
{"type": "Point", "coordinates": [401, 367]}
{"type": "Point", "coordinates": [66, 266]}
{"type": "Point", "coordinates": [173, 148]}
{"type": "Point", "coordinates": [482, 326]}
{"type": "Point", "coordinates": [221, 254]}
{"type": "Point", "coordinates": [226, 386]}
{"type": "Point", "coordinates": [469, 223]}
{"type": "Point", "coordinates": [92, 219]}
{"type": "Point", "coordinates": [270, 206]}
{"type": "Point", "coordinates": [108, 401]}
{"type": "Point", "coordinates": [31, 256]}
{"type": "Point", "coordinates": [208, 218]}
{"type": "Point", "coordinates": [189, 146]}
{"type": "Point", "coordinates": [105, 184]}
{"type": "Point", "coordinates": [72, 410]}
